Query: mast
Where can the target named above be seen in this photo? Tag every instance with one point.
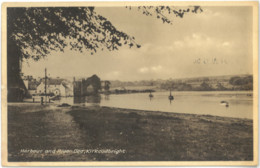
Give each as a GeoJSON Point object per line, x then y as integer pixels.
{"type": "Point", "coordinates": [45, 86]}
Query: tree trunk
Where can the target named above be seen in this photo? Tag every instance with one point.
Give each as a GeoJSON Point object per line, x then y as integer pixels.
{"type": "Point", "coordinates": [15, 85]}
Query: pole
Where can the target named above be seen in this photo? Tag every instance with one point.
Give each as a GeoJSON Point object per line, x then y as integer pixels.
{"type": "Point", "coordinates": [45, 87]}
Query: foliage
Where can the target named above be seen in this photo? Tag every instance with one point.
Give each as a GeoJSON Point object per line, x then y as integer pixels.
{"type": "Point", "coordinates": [107, 85]}
{"type": "Point", "coordinates": [36, 31]}
{"type": "Point", "coordinates": [95, 81]}
{"type": "Point", "coordinates": [204, 87]}
{"type": "Point", "coordinates": [241, 80]}
{"type": "Point", "coordinates": [164, 12]}
{"type": "Point", "coordinates": [220, 87]}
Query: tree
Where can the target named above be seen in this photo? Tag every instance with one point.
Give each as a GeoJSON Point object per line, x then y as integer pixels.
{"type": "Point", "coordinates": [242, 83]}
{"type": "Point", "coordinates": [205, 87]}
{"type": "Point", "coordinates": [35, 31]}
{"type": "Point", "coordinates": [95, 81]}
{"type": "Point", "coordinates": [236, 80]}
{"type": "Point", "coordinates": [220, 86]}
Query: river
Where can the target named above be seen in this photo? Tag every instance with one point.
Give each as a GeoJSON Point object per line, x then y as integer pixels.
{"type": "Point", "coordinates": [240, 103]}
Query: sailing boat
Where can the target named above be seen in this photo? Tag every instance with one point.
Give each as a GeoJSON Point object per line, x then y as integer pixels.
{"type": "Point", "coordinates": [151, 95]}
{"type": "Point", "coordinates": [171, 96]}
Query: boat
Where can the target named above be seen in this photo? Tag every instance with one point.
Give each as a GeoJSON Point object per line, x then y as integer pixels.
{"type": "Point", "coordinates": [54, 97]}
{"type": "Point", "coordinates": [171, 96]}
{"type": "Point", "coordinates": [224, 103]}
{"type": "Point", "coordinates": [151, 95]}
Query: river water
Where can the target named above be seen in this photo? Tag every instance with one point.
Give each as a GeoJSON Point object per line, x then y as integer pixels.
{"type": "Point", "coordinates": [208, 103]}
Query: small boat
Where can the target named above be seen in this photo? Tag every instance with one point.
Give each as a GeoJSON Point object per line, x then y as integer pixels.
{"type": "Point", "coordinates": [151, 95]}
{"type": "Point", "coordinates": [54, 98]}
{"type": "Point", "coordinates": [171, 96]}
{"type": "Point", "coordinates": [224, 103]}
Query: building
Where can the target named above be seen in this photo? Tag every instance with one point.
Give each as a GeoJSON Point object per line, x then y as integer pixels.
{"type": "Point", "coordinates": [30, 85]}
{"type": "Point", "coordinates": [53, 86]}
{"type": "Point", "coordinates": [86, 87]}
{"type": "Point", "coordinates": [105, 85]}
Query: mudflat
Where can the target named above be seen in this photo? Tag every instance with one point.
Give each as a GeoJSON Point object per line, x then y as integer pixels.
{"type": "Point", "coordinates": [50, 133]}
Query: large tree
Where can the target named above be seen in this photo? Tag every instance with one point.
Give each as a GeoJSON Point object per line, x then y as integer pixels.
{"type": "Point", "coordinates": [34, 32]}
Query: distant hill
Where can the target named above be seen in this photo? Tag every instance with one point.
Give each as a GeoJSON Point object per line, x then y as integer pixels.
{"type": "Point", "coordinates": [228, 82]}
{"type": "Point", "coordinates": [210, 83]}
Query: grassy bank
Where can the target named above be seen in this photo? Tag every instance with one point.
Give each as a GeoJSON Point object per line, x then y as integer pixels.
{"type": "Point", "coordinates": [142, 135]}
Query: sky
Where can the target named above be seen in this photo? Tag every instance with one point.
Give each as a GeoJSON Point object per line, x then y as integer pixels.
{"type": "Point", "coordinates": [216, 42]}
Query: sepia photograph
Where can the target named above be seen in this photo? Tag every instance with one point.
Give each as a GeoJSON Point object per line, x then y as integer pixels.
{"type": "Point", "coordinates": [130, 83]}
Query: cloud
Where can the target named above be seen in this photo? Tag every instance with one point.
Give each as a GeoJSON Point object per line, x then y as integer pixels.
{"type": "Point", "coordinates": [178, 44]}
{"type": "Point", "coordinates": [225, 43]}
{"type": "Point", "coordinates": [113, 75]}
{"type": "Point", "coordinates": [156, 68]}
{"type": "Point", "coordinates": [196, 36]}
{"type": "Point", "coordinates": [209, 14]}
{"type": "Point", "coordinates": [198, 40]}
{"type": "Point", "coordinates": [144, 70]}
{"type": "Point", "coordinates": [152, 69]}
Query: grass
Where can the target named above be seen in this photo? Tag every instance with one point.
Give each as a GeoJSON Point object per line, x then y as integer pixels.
{"type": "Point", "coordinates": [144, 135]}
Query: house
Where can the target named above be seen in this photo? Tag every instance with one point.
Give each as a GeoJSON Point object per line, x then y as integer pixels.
{"type": "Point", "coordinates": [53, 86]}
{"type": "Point", "coordinates": [30, 85]}
{"type": "Point", "coordinates": [105, 85]}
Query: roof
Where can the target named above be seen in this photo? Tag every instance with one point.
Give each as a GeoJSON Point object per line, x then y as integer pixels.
{"type": "Point", "coordinates": [66, 86]}
{"type": "Point", "coordinates": [51, 81]}
{"type": "Point", "coordinates": [32, 85]}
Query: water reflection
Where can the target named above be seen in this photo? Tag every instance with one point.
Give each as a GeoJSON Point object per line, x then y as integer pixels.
{"type": "Point", "coordinates": [88, 99]}
{"type": "Point", "coordinates": [151, 96]}
{"type": "Point", "coordinates": [106, 97]}
{"type": "Point", "coordinates": [78, 100]}
{"type": "Point", "coordinates": [93, 99]}
{"type": "Point", "coordinates": [170, 101]}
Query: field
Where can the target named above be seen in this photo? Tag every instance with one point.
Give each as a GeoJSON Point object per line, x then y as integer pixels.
{"type": "Point", "coordinates": [50, 133]}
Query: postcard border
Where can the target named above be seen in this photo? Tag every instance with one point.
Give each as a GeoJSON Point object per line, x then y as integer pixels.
{"type": "Point", "coordinates": [5, 162]}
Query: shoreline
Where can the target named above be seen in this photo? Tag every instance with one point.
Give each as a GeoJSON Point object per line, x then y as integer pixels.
{"type": "Point", "coordinates": [175, 113]}
{"type": "Point", "coordinates": [126, 109]}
